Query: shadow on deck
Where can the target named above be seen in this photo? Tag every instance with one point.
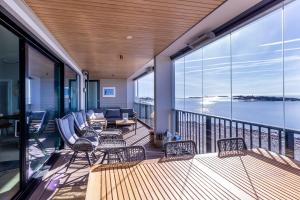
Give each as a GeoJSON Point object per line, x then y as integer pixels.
{"type": "Point", "coordinates": [72, 184]}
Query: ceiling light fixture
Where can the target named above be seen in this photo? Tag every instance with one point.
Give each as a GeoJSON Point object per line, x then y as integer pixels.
{"type": "Point", "coordinates": [129, 37]}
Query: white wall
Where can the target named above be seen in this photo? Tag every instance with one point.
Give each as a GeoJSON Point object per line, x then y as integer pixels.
{"type": "Point", "coordinates": [121, 93]}
{"type": "Point", "coordinates": [130, 93]}
{"type": "Point", "coordinates": [163, 94]}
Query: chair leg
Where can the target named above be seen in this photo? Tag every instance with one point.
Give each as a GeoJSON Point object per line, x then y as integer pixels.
{"type": "Point", "coordinates": [72, 159]}
{"type": "Point", "coordinates": [94, 155]}
{"type": "Point", "coordinates": [104, 155]}
{"type": "Point", "coordinates": [88, 158]}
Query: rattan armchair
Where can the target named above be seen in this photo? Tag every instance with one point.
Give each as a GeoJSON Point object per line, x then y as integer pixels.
{"type": "Point", "coordinates": [231, 146]}
{"type": "Point", "coordinates": [125, 154]}
{"type": "Point", "coordinates": [180, 148]}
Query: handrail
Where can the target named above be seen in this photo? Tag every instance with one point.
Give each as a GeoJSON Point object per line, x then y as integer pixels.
{"type": "Point", "coordinates": [239, 121]}
{"type": "Point", "coordinates": [206, 129]}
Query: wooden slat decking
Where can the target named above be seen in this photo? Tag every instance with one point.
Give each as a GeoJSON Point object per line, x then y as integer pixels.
{"type": "Point", "coordinates": [258, 175]}
{"type": "Point", "coordinates": [71, 184]}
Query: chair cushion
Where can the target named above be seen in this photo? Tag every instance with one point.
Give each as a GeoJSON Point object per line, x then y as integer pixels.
{"type": "Point", "coordinates": [66, 125]}
{"type": "Point", "coordinates": [113, 113]}
{"type": "Point", "coordinates": [99, 115]}
{"type": "Point", "coordinates": [127, 110]}
{"type": "Point", "coordinates": [96, 116]}
{"type": "Point", "coordinates": [89, 114]}
{"type": "Point", "coordinates": [80, 120]}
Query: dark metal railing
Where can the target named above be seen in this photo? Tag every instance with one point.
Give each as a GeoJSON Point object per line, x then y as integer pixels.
{"type": "Point", "coordinates": [205, 130]}
{"type": "Point", "coordinates": [145, 113]}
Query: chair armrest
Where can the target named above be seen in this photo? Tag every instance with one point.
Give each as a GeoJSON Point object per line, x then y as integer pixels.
{"type": "Point", "coordinates": [83, 144]}
{"type": "Point", "coordinates": [88, 128]}
{"type": "Point", "coordinates": [113, 141]}
{"type": "Point", "coordinates": [90, 133]}
{"type": "Point", "coordinates": [110, 136]}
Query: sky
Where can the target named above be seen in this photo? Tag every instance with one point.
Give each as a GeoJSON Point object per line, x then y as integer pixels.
{"type": "Point", "coordinates": [146, 86]}
{"type": "Point", "coordinates": [255, 55]}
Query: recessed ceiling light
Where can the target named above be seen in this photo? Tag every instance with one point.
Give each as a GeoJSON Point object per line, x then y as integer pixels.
{"type": "Point", "coordinates": [129, 37]}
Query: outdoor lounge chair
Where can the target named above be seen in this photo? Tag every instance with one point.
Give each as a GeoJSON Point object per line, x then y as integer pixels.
{"type": "Point", "coordinates": [77, 144]}
{"type": "Point", "coordinates": [83, 127]}
{"type": "Point", "coordinates": [231, 146]}
{"type": "Point", "coordinates": [180, 148]}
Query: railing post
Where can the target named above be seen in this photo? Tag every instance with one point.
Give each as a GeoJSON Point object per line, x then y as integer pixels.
{"type": "Point", "coordinates": [289, 144]}
{"type": "Point", "coordinates": [208, 134]}
{"type": "Point", "coordinates": [176, 121]}
{"type": "Point", "coordinates": [146, 112]}
{"type": "Point", "coordinates": [139, 108]}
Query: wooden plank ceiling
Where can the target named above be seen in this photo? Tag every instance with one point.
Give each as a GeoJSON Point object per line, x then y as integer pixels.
{"type": "Point", "coordinates": [94, 32]}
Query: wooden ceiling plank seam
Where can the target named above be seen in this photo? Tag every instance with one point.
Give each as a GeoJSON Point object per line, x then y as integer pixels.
{"type": "Point", "coordinates": [44, 14]}
{"type": "Point", "coordinates": [210, 4]}
{"type": "Point", "coordinates": [128, 28]}
{"type": "Point", "coordinates": [175, 14]}
{"type": "Point", "coordinates": [131, 5]}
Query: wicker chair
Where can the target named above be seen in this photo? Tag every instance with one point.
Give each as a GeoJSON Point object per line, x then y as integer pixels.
{"type": "Point", "coordinates": [231, 146]}
{"type": "Point", "coordinates": [125, 154]}
{"type": "Point", "coordinates": [83, 128]}
{"type": "Point", "coordinates": [180, 148]}
{"type": "Point", "coordinates": [77, 144]}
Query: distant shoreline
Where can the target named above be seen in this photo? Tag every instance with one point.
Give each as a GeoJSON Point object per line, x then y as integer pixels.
{"type": "Point", "coordinates": [255, 98]}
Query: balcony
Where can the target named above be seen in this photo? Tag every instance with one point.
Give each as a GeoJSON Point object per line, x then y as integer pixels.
{"type": "Point", "coordinates": [132, 99]}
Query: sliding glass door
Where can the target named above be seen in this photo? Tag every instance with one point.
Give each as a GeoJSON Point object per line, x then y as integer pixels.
{"type": "Point", "coordinates": [9, 114]}
{"type": "Point", "coordinates": [42, 107]}
{"type": "Point", "coordinates": [71, 90]}
{"type": "Point", "coordinates": [93, 94]}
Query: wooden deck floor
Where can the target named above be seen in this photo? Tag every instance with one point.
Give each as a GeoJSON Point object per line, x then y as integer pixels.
{"type": "Point", "coordinates": [71, 184]}
{"type": "Point", "coordinates": [258, 174]}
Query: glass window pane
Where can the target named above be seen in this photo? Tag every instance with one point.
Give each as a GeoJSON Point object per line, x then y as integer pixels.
{"type": "Point", "coordinates": [136, 94]}
{"type": "Point", "coordinates": [42, 107]}
{"type": "Point", "coordinates": [9, 114]}
{"type": "Point", "coordinates": [146, 88]}
{"type": "Point", "coordinates": [93, 94]}
{"type": "Point", "coordinates": [71, 89]}
{"type": "Point", "coordinates": [291, 65]}
{"type": "Point", "coordinates": [193, 82]}
{"type": "Point", "coordinates": [179, 84]}
{"type": "Point", "coordinates": [145, 98]}
{"type": "Point", "coordinates": [257, 71]}
{"type": "Point", "coordinates": [216, 78]}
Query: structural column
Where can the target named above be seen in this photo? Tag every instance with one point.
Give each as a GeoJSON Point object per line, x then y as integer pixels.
{"type": "Point", "coordinates": [163, 94]}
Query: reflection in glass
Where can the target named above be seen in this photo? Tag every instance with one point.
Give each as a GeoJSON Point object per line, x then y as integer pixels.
{"type": "Point", "coordinates": [42, 107]}
{"type": "Point", "coordinates": [9, 114]}
{"type": "Point", "coordinates": [193, 81]}
{"type": "Point", "coordinates": [71, 90]}
{"type": "Point", "coordinates": [217, 78]}
{"type": "Point", "coordinates": [257, 71]}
